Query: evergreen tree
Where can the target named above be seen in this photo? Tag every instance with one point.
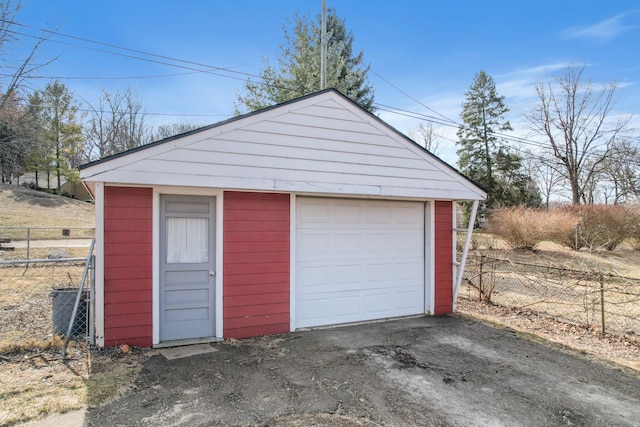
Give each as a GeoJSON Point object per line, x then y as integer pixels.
{"type": "Point", "coordinates": [484, 156]}
{"type": "Point", "coordinates": [12, 148]}
{"type": "Point", "coordinates": [62, 138]}
{"type": "Point", "coordinates": [298, 70]}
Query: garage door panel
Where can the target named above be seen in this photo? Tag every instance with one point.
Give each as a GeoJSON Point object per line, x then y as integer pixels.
{"type": "Point", "coordinates": [317, 310]}
{"type": "Point", "coordinates": [376, 273]}
{"type": "Point", "coordinates": [347, 306]}
{"type": "Point", "coordinates": [315, 243]}
{"type": "Point", "coordinates": [408, 271]}
{"type": "Point", "coordinates": [313, 212]}
{"type": "Point", "coordinates": [377, 304]}
{"type": "Point", "coordinates": [358, 260]}
{"type": "Point", "coordinates": [346, 275]}
{"type": "Point", "coordinates": [406, 215]}
{"type": "Point", "coordinates": [314, 276]}
{"type": "Point", "coordinates": [347, 214]}
{"type": "Point", "coordinates": [406, 300]}
{"type": "Point", "coordinates": [347, 242]}
{"type": "Point", "coordinates": [377, 215]}
{"type": "Point", "coordinates": [408, 242]}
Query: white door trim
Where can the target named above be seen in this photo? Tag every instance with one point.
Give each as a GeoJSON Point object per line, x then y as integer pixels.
{"type": "Point", "coordinates": [99, 250]}
{"type": "Point", "coordinates": [430, 256]}
{"type": "Point", "coordinates": [292, 263]}
{"type": "Point", "coordinates": [191, 191]}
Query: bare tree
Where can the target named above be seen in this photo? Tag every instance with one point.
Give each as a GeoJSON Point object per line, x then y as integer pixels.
{"type": "Point", "coordinates": [539, 169]}
{"type": "Point", "coordinates": [548, 180]}
{"type": "Point", "coordinates": [427, 136]}
{"type": "Point", "coordinates": [622, 172]}
{"type": "Point", "coordinates": [15, 68]}
{"type": "Point", "coordinates": [574, 117]}
{"type": "Point", "coordinates": [172, 129]}
{"type": "Point", "coordinates": [116, 124]}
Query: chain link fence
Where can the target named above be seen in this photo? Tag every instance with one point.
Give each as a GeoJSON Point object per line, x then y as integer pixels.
{"type": "Point", "coordinates": [591, 298]}
{"type": "Point", "coordinates": [37, 302]}
{"type": "Point", "coordinates": [25, 243]}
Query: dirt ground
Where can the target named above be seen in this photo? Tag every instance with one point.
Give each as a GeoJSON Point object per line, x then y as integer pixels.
{"type": "Point", "coordinates": [441, 371]}
{"type": "Point", "coordinates": [623, 350]}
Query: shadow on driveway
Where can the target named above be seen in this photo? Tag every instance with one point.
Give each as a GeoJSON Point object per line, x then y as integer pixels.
{"type": "Point", "coordinates": [421, 371]}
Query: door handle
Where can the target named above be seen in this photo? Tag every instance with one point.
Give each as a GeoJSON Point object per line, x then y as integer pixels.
{"type": "Point", "coordinates": [212, 273]}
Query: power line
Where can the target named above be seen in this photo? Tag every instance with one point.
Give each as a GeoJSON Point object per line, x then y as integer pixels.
{"type": "Point", "coordinates": [142, 113]}
{"type": "Point", "coordinates": [138, 58]}
{"type": "Point", "coordinates": [412, 98]}
{"type": "Point", "coordinates": [108, 78]}
{"type": "Point", "coordinates": [209, 69]}
{"type": "Point", "coordinates": [431, 119]}
{"type": "Point", "coordinates": [126, 49]}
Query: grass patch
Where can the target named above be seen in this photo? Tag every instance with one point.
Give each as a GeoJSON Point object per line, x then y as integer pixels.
{"type": "Point", "coordinates": [20, 206]}
{"type": "Point", "coordinates": [112, 375]}
{"type": "Point", "coordinates": [34, 385]}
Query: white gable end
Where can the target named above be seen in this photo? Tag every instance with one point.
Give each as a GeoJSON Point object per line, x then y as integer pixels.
{"type": "Point", "coordinates": [321, 144]}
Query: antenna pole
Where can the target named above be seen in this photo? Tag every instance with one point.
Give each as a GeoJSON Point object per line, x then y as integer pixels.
{"type": "Point", "coordinates": [323, 48]}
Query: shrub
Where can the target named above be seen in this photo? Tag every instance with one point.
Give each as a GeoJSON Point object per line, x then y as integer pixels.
{"type": "Point", "coordinates": [634, 226]}
{"type": "Point", "coordinates": [600, 226]}
{"type": "Point", "coordinates": [523, 228]}
{"type": "Point", "coordinates": [32, 185]}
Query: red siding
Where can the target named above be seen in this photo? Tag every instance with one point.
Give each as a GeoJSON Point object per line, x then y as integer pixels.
{"type": "Point", "coordinates": [443, 268]}
{"type": "Point", "coordinates": [256, 264]}
{"type": "Point", "coordinates": [127, 266]}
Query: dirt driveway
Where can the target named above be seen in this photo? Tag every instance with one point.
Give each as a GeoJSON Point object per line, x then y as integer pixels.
{"type": "Point", "coordinates": [422, 371]}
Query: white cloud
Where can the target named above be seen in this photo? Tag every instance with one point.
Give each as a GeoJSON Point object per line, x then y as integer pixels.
{"type": "Point", "coordinates": [520, 84]}
{"type": "Point", "coordinates": [603, 31]}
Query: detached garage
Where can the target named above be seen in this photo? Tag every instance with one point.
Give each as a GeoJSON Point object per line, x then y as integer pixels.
{"type": "Point", "coordinates": [309, 213]}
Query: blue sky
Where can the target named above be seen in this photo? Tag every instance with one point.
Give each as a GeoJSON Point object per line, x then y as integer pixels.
{"type": "Point", "coordinates": [428, 49]}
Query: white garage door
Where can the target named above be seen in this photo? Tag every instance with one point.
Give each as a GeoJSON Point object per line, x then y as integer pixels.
{"type": "Point", "coordinates": [358, 260]}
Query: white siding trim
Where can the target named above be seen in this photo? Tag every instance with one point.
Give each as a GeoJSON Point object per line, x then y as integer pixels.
{"type": "Point", "coordinates": [454, 254]}
{"type": "Point", "coordinates": [99, 247]}
{"type": "Point", "coordinates": [246, 178]}
{"type": "Point", "coordinates": [218, 194]}
{"type": "Point", "coordinates": [155, 263]}
{"type": "Point", "coordinates": [292, 263]}
{"type": "Point", "coordinates": [219, 263]}
{"type": "Point", "coordinates": [430, 260]}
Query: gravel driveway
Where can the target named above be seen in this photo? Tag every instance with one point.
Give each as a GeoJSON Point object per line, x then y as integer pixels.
{"type": "Point", "coordinates": [422, 371]}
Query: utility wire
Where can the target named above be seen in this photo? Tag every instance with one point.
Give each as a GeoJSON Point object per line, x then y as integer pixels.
{"type": "Point", "coordinates": [414, 99]}
{"type": "Point", "coordinates": [158, 76]}
{"type": "Point", "coordinates": [126, 49]}
{"type": "Point", "coordinates": [125, 55]}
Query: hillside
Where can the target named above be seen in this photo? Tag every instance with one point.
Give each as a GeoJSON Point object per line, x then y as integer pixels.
{"type": "Point", "coordinates": [20, 206]}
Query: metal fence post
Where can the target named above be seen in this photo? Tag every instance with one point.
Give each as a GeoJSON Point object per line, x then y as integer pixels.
{"type": "Point", "coordinates": [28, 241]}
{"type": "Point", "coordinates": [92, 299]}
{"type": "Point", "coordinates": [77, 302]}
{"type": "Point", "coordinates": [602, 302]}
{"type": "Point", "coordinates": [480, 277]}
